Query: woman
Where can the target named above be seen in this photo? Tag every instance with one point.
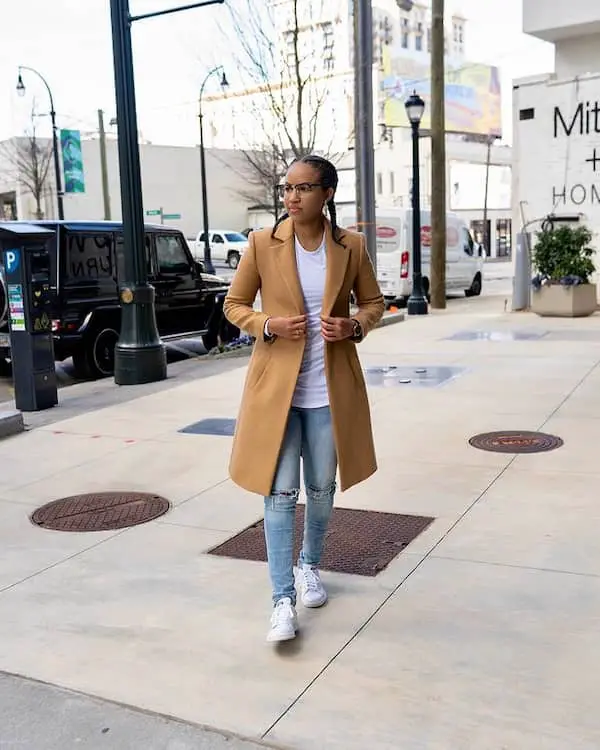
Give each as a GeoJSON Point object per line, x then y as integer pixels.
{"type": "Point", "coordinates": [305, 394]}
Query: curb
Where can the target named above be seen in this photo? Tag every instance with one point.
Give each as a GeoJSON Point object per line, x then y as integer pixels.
{"type": "Point", "coordinates": [11, 423]}
{"type": "Point", "coordinates": [390, 320]}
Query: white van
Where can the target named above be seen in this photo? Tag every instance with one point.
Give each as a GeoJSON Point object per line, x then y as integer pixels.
{"type": "Point", "coordinates": [464, 261]}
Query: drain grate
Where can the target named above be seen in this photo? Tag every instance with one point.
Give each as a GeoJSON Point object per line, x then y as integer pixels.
{"type": "Point", "coordinates": [359, 542]}
{"type": "Point", "coordinates": [100, 511]}
{"type": "Point", "coordinates": [516, 442]}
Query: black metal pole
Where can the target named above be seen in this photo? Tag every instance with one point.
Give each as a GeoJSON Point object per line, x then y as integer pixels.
{"type": "Point", "coordinates": [208, 264]}
{"type": "Point", "coordinates": [56, 155]}
{"type": "Point", "coordinates": [357, 98]}
{"type": "Point", "coordinates": [59, 190]}
{"type": "Point", "coordinates": [139, 355]}
{"type": "Point", "coordinates": [363, 62]}
{"type": "Point", "coordinates": [417, 303]}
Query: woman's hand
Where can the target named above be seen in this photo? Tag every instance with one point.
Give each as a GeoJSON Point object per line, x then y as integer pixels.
{"type": "Point", "coordinates": [293, 328]}
{"type": "Point", "coordinates": [336, 329]}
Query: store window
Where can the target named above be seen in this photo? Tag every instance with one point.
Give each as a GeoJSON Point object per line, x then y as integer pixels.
{"type": "Point", "coordinates": [503, 238]}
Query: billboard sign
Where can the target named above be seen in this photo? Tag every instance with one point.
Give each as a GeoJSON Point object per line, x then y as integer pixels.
{"type": "Point", "coordinates": [472, 94]}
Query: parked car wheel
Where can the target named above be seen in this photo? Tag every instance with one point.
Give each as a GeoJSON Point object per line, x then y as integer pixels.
{"type": "Point", "coordinates": [475, 289]}
{"type": "Point", "coordinates": [233, 259]}
{"type": "Point", "coordinates": [96, 358]}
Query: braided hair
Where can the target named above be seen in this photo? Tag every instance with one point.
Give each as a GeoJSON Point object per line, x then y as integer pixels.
{"type": "Point", "coordinates": [329, 179]}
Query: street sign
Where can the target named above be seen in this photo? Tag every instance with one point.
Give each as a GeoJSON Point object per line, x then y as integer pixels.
{"type": "Point", "coordinates": [171, 216]}
{"type": "Point", "coordinates": [154, 212]}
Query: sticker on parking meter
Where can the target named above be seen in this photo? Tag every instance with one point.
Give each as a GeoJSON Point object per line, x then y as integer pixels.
{"type": "Point", "coordinates": [15, 307]}
{"type": "Point", "coordinates": [11, 260]}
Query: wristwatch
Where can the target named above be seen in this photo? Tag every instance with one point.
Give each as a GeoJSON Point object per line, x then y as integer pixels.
{"type": "Point", "coordinates": [357, 331]}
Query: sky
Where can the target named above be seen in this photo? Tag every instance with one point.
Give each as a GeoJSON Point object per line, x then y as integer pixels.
{"type": "Point", "coordinates": [69, 43]}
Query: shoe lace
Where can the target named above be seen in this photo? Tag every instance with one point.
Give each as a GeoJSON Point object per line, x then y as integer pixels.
{"type": "Point", "coordinates": [311, 579]}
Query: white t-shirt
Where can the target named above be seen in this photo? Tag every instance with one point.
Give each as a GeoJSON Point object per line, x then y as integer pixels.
{"type": "Point", "coordinates": [311, 387]}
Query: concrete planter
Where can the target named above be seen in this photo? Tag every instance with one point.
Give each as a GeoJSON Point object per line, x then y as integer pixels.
{"type": "Point", "coordinates": [558, 301]}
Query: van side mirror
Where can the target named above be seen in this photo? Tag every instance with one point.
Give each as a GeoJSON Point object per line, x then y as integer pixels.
{"type": "Point", "coordinates": [199, 266]}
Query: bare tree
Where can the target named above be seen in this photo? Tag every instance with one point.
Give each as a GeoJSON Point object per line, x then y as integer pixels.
{"type": "Point", "coordinates": [289, 86]}
{"type": "Point", "coordinates": [29, 159]}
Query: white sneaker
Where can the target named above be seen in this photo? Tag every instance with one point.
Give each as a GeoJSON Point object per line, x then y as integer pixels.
{"type": "Point", "coordinates": [311, 588]}
{"type": "Point", "coordinates": [284, 622]}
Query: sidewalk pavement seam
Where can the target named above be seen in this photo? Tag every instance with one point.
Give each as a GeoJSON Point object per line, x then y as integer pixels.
{"type": "Point", "coordinates": [554, 571]}
{"type": "Point", "coordinates": [426, 556]}
{"type": "Point", "coordinates": [74, 466]}
{"type": "Point", "coordinates": [61, 562]}
{"type": "Point", "coordinates": [571, 393]}
{"type": "Point", "coordinates": [145, 712]}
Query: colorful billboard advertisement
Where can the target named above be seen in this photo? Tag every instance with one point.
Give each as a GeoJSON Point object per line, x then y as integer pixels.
{"type": "Point", "coordinates": [70, 144]}
{"type": "Point", "coordinates": [473, 96]}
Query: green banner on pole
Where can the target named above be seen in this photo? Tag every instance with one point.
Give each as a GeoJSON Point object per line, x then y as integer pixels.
{"type": "Point", "coordinates": [70, 144]}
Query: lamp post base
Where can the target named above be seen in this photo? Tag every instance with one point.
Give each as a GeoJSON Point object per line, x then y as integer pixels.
{"type": "Point", "coordinates": [417, 305]}
{"type": "Point", "coordinates": [140, 357]}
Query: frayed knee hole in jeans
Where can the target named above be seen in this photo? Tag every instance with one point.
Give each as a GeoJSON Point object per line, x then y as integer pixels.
{"type": "Point", "coordinates": [319, 495]}
{"type": "Point", "coordinates": [282, 500]}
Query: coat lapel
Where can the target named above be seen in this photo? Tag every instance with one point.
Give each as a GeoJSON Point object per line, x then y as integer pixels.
{"type": "Point", "coordinates": [286, 260]}
{"type": "Point", "coordinates": [337, 263]}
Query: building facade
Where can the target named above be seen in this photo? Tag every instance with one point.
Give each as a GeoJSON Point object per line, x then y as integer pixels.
{"type": "Point", "coordinates": [557, 120]}
{"type": "Point", "coordinates": [170, 183]}
{"type": "Point", "coordinates": [323, 43]}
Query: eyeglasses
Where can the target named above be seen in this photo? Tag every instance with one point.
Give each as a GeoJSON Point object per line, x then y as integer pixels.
{"type": "Point", "coordinates": [301, 189]}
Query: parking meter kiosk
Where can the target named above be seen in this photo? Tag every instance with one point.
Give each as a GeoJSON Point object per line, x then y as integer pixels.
{"type": "Point", "coordinates": [30, 291]}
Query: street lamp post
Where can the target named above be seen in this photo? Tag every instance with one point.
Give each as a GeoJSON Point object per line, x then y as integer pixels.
{"type": "Point", "coordinates": [140, 356]}
{"type": "Point", "coordinates": [417, 302]}
{"type": "Point", "coordinates": [208, 264]}
{"type": "Point", "coordinates": [21, 92]}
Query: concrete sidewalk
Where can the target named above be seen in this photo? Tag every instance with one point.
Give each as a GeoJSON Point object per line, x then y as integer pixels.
{"type": "Point", "coordinates": [482, 635]}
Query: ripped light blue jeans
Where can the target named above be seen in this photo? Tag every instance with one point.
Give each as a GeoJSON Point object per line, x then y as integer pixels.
{"type": "Point", "coordinates": [308, 435]}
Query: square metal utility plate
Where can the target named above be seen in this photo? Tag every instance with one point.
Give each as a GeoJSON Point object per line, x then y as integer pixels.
{"type": "Point", "coordinates": [216, 426]}
{"type": "Point", "coordinates": [359, 542]}
{"type": "Point", "coordinates": [483, 335]}
{"type": "Point", "coordinates": [568, 334]}
{"type": "Point", "coordinates": [426, 376]}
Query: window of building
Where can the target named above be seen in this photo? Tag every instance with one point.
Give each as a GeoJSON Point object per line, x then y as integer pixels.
{"type": "Point", "coordinates": [419, 37]}
{"type": "Point", "coordinates": [429, 40]}
{"type": "Point", "coordinates": [392, 183]}
{"type": "Point", "coordinates": [379, 183]}
{"type": "Point", "coordinates": [503, 238]}
{"type": "Point", "coordinates": [404, 32]}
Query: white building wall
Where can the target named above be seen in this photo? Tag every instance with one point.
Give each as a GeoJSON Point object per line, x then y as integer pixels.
{"type": "Point", "coordinates": [170, 180]}
{"type": "Point", "coordinates": [557, 151]}
{"type": "Point", "coordinates": [553, 20]}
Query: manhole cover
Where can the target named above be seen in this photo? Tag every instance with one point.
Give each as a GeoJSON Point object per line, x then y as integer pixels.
{"type": "Point", "coordinates": [359, 542]}
{"type": "Point", "coordinates": [100, 511]}
{"type": "Point", "coordinates": [516, 442]}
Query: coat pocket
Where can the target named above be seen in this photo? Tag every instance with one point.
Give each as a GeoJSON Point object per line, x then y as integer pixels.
{"type": "Point", "coordinates": [258, 369]}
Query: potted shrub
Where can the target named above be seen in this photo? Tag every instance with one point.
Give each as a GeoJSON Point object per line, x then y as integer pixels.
{"type": "Point", "coordinates": [563, 260]}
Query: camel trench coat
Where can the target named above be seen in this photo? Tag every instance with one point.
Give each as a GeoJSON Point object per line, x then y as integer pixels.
{"type": "Point", "coordinates": [269, 266]}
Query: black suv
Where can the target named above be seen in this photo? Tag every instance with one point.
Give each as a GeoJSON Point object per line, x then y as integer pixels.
{"type": "Point", "coordinates": [86, 263]}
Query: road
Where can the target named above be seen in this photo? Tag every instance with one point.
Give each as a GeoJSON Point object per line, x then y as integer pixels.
{"type": "Point", "coordinates": [497, 281]}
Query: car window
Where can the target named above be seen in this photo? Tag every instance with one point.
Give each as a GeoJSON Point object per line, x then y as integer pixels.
{"type": "Point", "coordinates": [469, 245]}
{"type": "Point", "coordinates": [89, 256]}
{"type": "Point", "coordinates": [201, 237]}
{"type": "Point", "coordinates": [171, 255]}
{"type": "Point", "coordinates": [235, 237]}
{"type": "Point", "coordinates": [217, 238]}
{"type": "Point", "coordinates": [120, 250]}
